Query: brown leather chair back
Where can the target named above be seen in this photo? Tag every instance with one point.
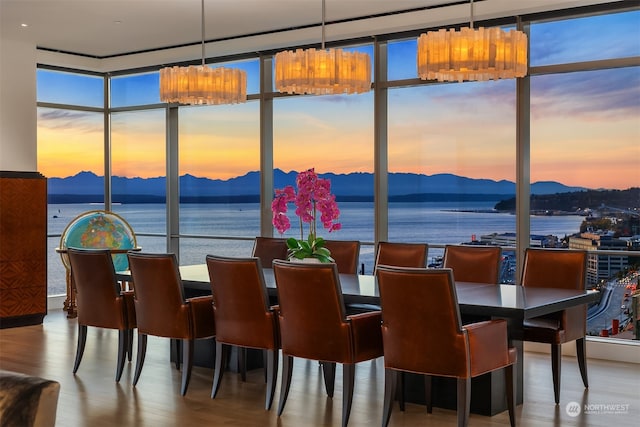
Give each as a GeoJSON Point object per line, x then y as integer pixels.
{"type": "Point", "coordinates": [313, 325]}
{"type": "Point", "coordinates": [99, 298]}
{"type": "Point", "coordinates": [554, 268]}
{"type": "Point", "coordinates": [422, 333]}
{"type": "Point", "coordinates": [312, 316]}
{"type": "Point", "coordinates": [419, 314]}
{"type": "Point", "coordinates": [159, 298]}
{"type": "Point", "coordinates": [240, 302]}
{"type": "Point", "coordinates": [268, 249]}
{"type": "Point", "coordinates": [346, 254]}
{"type": "Point", "coordinates": [478, 264]}
{"type": "Point", "coordinates": [402, 254]}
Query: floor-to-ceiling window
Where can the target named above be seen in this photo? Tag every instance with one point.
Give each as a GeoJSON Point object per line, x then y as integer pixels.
{"type": "Point", "coordinates": [219, 169]}
{"type": "Point", "coordinates": [585, 133]}
{"type": "Point", "coordinates": [451, 146]}
{"type": "Point", "coordinates": [219, 180]}
{"type": "Point", "coordinates": [451, 157]}
{"type": "Point", "coordinates": [70, 155]}
{"type": "Point", "coordinates": [334, 136]}
{"type": "Point", "coordinates": [138, 174]}
{"type": "Point", "coordinates": [137, 147]}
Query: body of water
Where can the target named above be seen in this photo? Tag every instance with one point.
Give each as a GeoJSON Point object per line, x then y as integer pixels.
{"type": "Point", "coordinates": [431, 222]}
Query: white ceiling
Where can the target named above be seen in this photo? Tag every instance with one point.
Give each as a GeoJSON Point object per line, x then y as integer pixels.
{"type": "Point", "coordinates": [111, 28]}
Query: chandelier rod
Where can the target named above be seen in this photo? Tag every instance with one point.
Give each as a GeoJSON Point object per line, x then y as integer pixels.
{"type": "Point", "coordinates": [323, 16]}
{"type": "Point", "coordinates": [471, 7]}
{"type": "Point", "coordinates": [202, 30]}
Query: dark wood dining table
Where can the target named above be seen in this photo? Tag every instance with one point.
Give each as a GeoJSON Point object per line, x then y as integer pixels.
{"type": "Point", "coordinates": [476, 301]}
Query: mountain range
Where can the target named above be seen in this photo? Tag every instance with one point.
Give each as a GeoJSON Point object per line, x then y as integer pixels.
{"type": "Point", "coordinates": [86, 186]}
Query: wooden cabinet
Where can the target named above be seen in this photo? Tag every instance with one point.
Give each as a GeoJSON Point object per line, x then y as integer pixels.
{"type": "Point", "coordinates": [23, 248]}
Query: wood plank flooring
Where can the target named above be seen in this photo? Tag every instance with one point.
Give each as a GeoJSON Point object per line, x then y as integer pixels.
{"type": "Point", "coordinates": [92, 398]}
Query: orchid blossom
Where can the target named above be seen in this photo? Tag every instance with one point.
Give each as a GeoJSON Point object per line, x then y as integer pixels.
{"type": "Point", "coordinates": [313, 196]}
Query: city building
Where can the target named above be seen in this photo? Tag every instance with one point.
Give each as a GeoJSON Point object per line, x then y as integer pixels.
{"type": "Point", "coordinates": [509, 239]}
{"type": "Point", "coordinates": [601, 267]}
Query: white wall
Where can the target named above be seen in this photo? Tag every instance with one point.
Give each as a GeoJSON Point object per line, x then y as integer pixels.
{"type": "Point", "coordinates": [18, 115]}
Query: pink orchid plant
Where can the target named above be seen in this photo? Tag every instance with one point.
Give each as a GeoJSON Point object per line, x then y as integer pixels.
{"type": "Point", "coordinates": [313, 196]}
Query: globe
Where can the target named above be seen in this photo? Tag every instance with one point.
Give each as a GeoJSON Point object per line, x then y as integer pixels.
{"type": "Point", "coordinates": [99, 230]}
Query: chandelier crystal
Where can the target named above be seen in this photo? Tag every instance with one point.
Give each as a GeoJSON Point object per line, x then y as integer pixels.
{"type": "Point", "coordinates": [472, 54]}
{"type": "Point", "coordinates": [201, 84]}
{"type": "Point", "coordinates": [323, 71]}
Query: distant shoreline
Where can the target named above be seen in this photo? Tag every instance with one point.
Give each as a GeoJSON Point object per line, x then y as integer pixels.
{"type": "Point", "coordinates": [533, 212]}
{"type": "Point", "coordinates": [255, 198]}
{"type": "Point", "coordinates": [573, 203]}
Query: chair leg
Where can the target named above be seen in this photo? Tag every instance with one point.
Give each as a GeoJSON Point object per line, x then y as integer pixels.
{"type": "Point", "coordinates": [556, 361]}
{"type": "Point", "coordinates": [82, 340]}
{"type": "Point", "coordinates": [464, 401]}
{"type": "Point", "coordinates": [222, 352]}
{"type": "Point", "coordinates": [511, 394]}
{"type": "Point", "coordinates": [400, 390]}
{"type": "Point", "coordinates": [176, 342]}
{"type": "Point", "coordinates": [348, 380]}
{"type": "Point", "coordinates": [427, 393]}
{"type": "Point", "coordinates": [390, 385]}
{"type": "Point", "coordinates": [264, 363]}
{"type": "Point", "coordinates": [142, 351]}
{"type": "Point", "coordinates": [242, 363]}
{"type": "Point", "coordinates": [581, 352]}
{"type": "Point", "coordinates": [287, 369]}
{"type": "Point", "coordinates": [271, 368]}
{"type": "Point", "coordinates": [123, 344]}
{"type": "Point", "coordinates": [187, 364]}
{"type": "Point", "coordinates": [329, 371]}
{"type": "Point", "coordinates": [130, 344]}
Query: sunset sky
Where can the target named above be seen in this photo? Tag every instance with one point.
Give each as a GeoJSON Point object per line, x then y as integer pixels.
{"type": "Point", "coordinates": [585, 127]}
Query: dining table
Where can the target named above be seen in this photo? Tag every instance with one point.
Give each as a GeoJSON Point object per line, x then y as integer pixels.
{"type": "Point", "coordinates": [476, 301]}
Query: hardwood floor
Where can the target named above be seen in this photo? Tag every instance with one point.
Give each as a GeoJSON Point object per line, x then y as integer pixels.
{"type": "Point", "coordinates": [92, 398]}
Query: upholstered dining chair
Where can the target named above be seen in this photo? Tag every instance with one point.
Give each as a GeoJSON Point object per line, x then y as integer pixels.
{"type": "Point", "coordinates": [558, 268]}
{"type": "Point", "coordinates": [100, 301]}
{"type": "Point", "coordinates": [345, 254]}
{"type": "Point", "coordinates": [422, 333]}
{"type": "Point", "coordinates": [242, 315]}
{"type": "Point", "coordinates": [477, 264]}
{"type": "Point", "coordinates": [268, 249]}
{"type": "Point", "coordinates": [397, 254]}
{"type": "Point", "coordinates": [163, 311]}
{"type": "Point", "coordinates": [313, 325]}
{"type": "Point", "coordinates": [401, 254]}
